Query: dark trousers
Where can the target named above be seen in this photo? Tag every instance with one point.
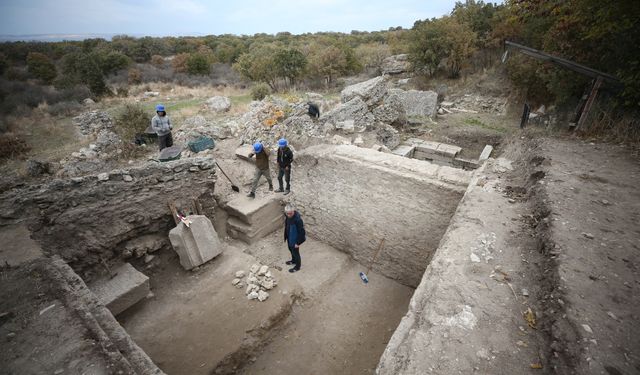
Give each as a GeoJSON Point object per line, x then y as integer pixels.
{"type": "Point", "coordinates": [295, 256]}
{"type": "Point", "coordinates": [165, 141]}
{"type": "Point", "coordinates": [287, 177]}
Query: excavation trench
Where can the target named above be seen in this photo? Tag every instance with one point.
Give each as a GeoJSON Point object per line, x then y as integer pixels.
{"type": "Point", "coordinates": [323, 319]}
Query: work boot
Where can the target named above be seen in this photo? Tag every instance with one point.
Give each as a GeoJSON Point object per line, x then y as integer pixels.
{"type": "Point", "coordinates": [294, 269]}
{"type": "Point", "coordinates": [280, 190]}
{"type": "Point", "coordinates": [270, 187]}
{"type": "Point", "coordinates": [251, 195]}
{"type": "Point", "coordinates": [287, 192]}
{"type": "Point", "coordinates": [289, 262]}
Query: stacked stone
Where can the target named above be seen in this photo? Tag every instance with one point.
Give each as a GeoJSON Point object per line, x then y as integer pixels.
{"type": "Point", "coordinates": [258, 282]}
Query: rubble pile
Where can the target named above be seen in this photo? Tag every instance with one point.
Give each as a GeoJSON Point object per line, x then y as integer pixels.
{"type": "Point", "coordinates": [258, 282]}
{"type": "Point", "coordinates": [470, 103]}
{"type": "Point", "coordinates": [198, 126]}
{"type": "Point", "coordinates": [93, 122]}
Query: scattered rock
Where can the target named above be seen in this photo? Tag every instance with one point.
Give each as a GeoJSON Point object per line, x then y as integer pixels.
{"type": "Point", "coordinates": [149, 258]}
{"type": "Point", "coordinates": [263, 270]}
{"type": "Point", "coordinates": [253, 295]}
{"type": "Point", "coordinates": [151, 94]}
{"type": "Point", "coordinates": [240, 274]}
{"type": "Point", "coordinates": [127, 178]}
{"type": "Point", "coordinates": [240, 285]}
{"type": "Point", "coordinates": [525, 292]}
{"type": "Point", "coordinates": [262, 296]}
{"type": "Point", "coordinates": [474, 258]}
{"type": "Point", "coordinates": [88, 101]}
{"type": "Point", "coordinates": [11, 335]}
{"type": "Point", "coordinates": [587, 328]}
{"type": "Point", "coordinates": [218, 103]}
{"type": "Point", "coordinates": [254, 268]}
{"type": "Point", "coordinates": [37, 168]}
{"type": "Point", "coordinates": [235, 281]}
{"type": "Point", "coordinates": [396, 64]}
{"type": "Point", "coordinates": [358, 141]}
{"type": "Point", "coordinates": [588, 235]}
{"type": "Point", "coordinates": [252, 280]}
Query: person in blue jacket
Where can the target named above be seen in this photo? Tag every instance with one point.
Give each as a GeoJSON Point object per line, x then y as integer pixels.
{"type": "Point", "coordinates": [294, 236]}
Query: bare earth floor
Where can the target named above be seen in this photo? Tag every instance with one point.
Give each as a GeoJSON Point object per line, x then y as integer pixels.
{"type": "Point", "coordinates": [323, 319]}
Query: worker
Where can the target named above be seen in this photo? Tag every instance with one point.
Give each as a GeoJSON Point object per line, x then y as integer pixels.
{"type": "Point", "coordinates": [285, 158]}
{"type": "Point", "coordinates": [313, 111]}
{"type": "Point", "coordinates": [294, 236]}
{"type": "Point", "coordinates": [161, 124]}
{"type": "Point", "coordinates": [262, 168]}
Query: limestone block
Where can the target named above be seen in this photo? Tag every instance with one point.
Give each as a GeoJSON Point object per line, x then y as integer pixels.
{"type": "Point", "coordinates": [243, 152]}
{"type": "Point", "coordinates": [404, 150]}
{"type": "Point", "coordinates": [255, 211]}
{"type": "Point", "coordinates": [122, 291]}
{"type": "Point", "coordinates": [449, 151]}
{"type": "Point", "coordinates": [196, 244]}
{"type": "Point", "coordinates": [486, 152]}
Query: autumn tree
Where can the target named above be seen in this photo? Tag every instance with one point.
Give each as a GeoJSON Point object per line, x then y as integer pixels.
{"type": "Point", "coordinates": [41, 67]}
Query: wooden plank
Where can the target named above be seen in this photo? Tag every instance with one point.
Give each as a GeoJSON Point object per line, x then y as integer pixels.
{"type": "Point", "coordinates": [590, 100]}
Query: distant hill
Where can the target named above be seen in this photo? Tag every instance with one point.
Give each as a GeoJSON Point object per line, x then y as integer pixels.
{"type": "Point", "coordinates": [52, 37]}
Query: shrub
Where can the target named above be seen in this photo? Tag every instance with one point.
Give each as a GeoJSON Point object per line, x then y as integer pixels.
{"type": "Point", "coordinates": [157, 60]}
{"type": "Point", "coordinates": [132, 120]}
{"type": "Point", "coordinates": [12, 146]}
{"type": "Point", "coordinates": [134, 77]}
{"type": "Point", "coordinates": [15, 73]}
{"type": "Point", "coordinates": [3, 64]}
{"type": "Point", "coordinates": [260, 91]}
{"type": "Point", "coordinates": [41, 67]}
{"type": "Point", "coordinates": [122, 91]}
{"type": "Point", "coordinates": [179, 62]}
{"type": "Point", "coordinates": [197, 64]}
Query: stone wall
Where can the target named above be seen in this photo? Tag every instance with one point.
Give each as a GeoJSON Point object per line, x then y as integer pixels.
{"type": "Point", "coordinates": [351, 198]}
{"type": "Point", "coordinates": [89, 219]}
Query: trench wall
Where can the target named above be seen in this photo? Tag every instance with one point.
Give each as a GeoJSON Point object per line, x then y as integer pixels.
{"type": "Point", "coordinates": [88, 219]}
{"type": "Point", "coordinates": [351, 198]}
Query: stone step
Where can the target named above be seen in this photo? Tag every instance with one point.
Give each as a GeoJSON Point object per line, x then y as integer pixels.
{"type": "Point", "coordinates": [124, 290]}
{"type": "Point", "coordinates": [256, 210]}
{"type": "Point", "coordinates": [252, 233]}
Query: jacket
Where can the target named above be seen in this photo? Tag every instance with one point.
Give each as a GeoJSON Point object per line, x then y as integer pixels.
{"type": "Point", "coordinates": [285, 157]}
{"type": "Point", "coordinates": [296, 221]}
{"type": "Point", "coordinates": [161, 125]}
{"type": "Point", "coordinates": [262, 159]}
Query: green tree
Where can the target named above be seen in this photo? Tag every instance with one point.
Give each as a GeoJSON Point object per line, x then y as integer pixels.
{"type": "Point", "coordinates": [371, 55]}
{"type": "Point", "coordinates": [83, 68]}
{"type": "Point", "coordinates": [259, 65]}
{"type": "Point", "coordinates": [41, 67]}
{"type": "Point", "coordinates": [290, 64]}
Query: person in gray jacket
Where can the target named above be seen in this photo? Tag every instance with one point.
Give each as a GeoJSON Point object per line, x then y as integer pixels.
{"type": "Point", "coordinates": [161, 124]}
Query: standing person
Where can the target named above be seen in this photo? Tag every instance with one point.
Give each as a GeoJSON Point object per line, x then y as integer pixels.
{"type": "Point", "coordinates": [262, 168]}
{"type": "Point", "coordinates": [294, 236]}
{"type": "Point", "coordinates": [161, 124]}
{"type": "Point", "coordinates": [285, 158]}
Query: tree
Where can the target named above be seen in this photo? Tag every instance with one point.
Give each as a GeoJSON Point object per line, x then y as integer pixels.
{"type": "Point", "coordinates": [259, 65]}
{"type": "Point", "coordinates": [3, 64]}
{"type": "Point", "coordinates": [41, 67]}
{"type": "Point", "coordinates": [83, 68]}
{"type": "Point", "coordinates": [290, 64]}
{"type": "Point", "coordinates": [179, 62]}
{"type": "Point", "coordinates": [371, 55]}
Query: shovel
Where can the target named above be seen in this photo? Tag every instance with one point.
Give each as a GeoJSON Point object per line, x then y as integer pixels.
{"type": "Point", "coordinates": [233, 187]}
{"type": "Point", "coordinates": [363, 276]}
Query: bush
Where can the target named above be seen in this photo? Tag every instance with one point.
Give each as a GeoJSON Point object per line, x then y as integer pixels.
{"type": "Point", "coordinates": [3, 64]}
{"type": "Point", "coordinates": [157, 60]}
{"type": "Point", "coordinates": [260, 91]}
{"type": "Point", "coordinates": [198, 64]}
{"type": "Point", "coordinates": [134, 76]}
{"type": "Point", "coordinates": [179, 62]}
{"type": "Point", "coordinates": [12, 146]}
{"type": "Point", "coordinates": [131, 121]}
{"type": "Point", "coordinates": [41, 67]}
{"type": "Point", "coordinates": [15, 73]}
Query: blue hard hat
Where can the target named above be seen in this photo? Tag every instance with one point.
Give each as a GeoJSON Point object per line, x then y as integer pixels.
{"type": "Point", "coordinates": [282, 142]}
{"type": "Point", "coordinates": [160, 108]}
{"type": "Point", "coordinates": [257, 147]}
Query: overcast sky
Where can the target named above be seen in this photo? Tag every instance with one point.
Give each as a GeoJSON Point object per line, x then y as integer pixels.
{"type": "Point", "coordinates": [199, 17]}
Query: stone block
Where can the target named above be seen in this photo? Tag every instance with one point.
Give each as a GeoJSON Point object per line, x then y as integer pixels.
{"type": "Point", "coordinates": [196, 244]}
{"type": "Point", "coordinates": [124, 290]}
{"type": "Point", "coordinates": [486, 153]}
{"type": "Point", "coordinates": [428, 147]}
{"type": "Point", "coordinates": [244, 151]}
{"type": "Point", "coordinates": [404, 150]}
{"type": "Point", "coordinates": [465, 163]}
{"type": "Point", "coordinates": [449, 151]}
{"type": "Point", "coordinates": [255, 211]}
{"type": "Point", "coordinates": [252, 233]}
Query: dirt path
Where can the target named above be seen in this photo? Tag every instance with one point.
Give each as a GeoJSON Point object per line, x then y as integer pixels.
{"type": "Point", "coordinates": [594, 238]}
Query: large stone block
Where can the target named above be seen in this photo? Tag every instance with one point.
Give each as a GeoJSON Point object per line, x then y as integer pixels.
{"type": "Point", "coordinates": [252, 233]}
{"type": "Point", "coordinates": [418, 103]}
{"type": "Point", "coordinates": [124, 290]}
{"type": "Point", "coordinates": [255, 211]}
{"type": "Point", "coordinates": [371, 91]}
{"type": "Point", "coordinates": [196, 244]}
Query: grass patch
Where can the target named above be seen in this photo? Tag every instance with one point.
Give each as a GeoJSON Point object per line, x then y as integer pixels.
{"type": "Point", "coordinates": [478, 123]}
